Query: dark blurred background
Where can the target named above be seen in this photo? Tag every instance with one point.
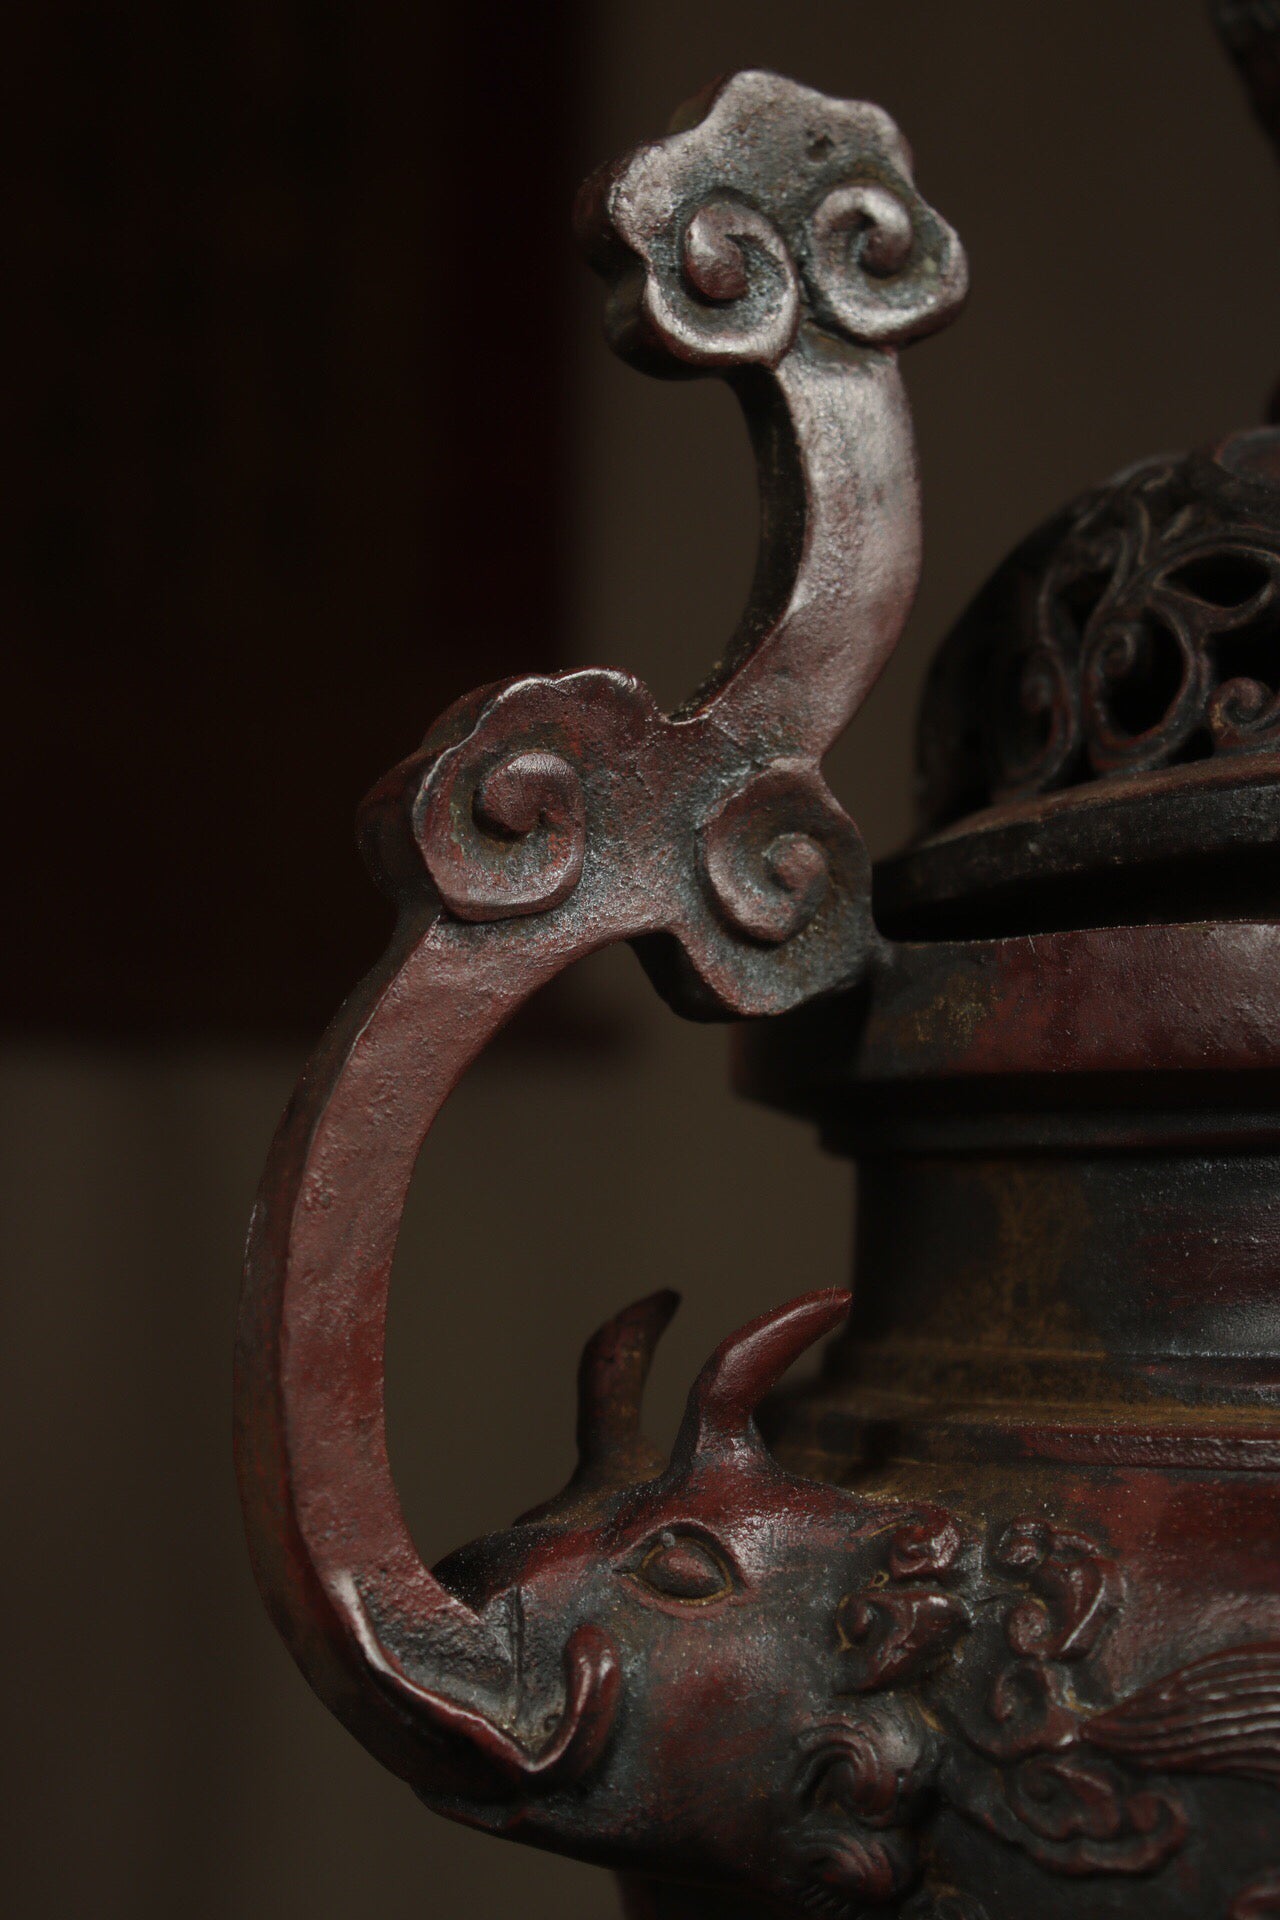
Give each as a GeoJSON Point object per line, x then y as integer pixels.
{"type": "Point", "coordinates": [309, 430]}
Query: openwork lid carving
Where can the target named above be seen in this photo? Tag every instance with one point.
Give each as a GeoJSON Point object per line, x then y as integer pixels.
{"type": "Point", "coordinates": [1138, 632]}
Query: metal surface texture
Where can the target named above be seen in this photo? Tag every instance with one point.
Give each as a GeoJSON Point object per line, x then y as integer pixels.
{"type": "Point", "coordinates": [987, 1619]}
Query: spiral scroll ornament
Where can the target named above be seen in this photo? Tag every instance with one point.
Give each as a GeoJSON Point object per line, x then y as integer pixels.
{"type": "Point", "coordinates": [742, 295]}
{"type": "Point", "coordinates": [777, 208]}
{"type": "Point", "coordinates": [861, 1783]}
{"type": "Point", "coordinates": [766, 853]}
{"type": "Point", "coordinates": [575, 799]}
{"type": "Point", "coordinates": [506, 838]}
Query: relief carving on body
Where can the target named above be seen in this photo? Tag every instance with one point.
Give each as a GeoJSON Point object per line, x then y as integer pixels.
{"type": "Point", "coordinates": [708, 1670]}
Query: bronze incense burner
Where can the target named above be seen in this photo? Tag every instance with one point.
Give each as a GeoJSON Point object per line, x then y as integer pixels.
{"type": "Point", "coordinates": [986, 1621]}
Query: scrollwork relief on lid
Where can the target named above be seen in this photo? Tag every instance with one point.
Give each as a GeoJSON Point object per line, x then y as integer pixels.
{"type": "Point", "coordinates": [1140, 631]}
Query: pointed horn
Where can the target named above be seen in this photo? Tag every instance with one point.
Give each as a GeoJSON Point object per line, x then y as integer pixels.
{"type": "Point", "coordinates": [612, 1451]}
{"type": "Point", "coordinates": [611, 1379]}
{"type": "Point", "coordinates": [723, 1398]}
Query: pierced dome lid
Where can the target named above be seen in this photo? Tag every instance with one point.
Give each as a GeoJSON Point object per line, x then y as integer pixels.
{"type": "Point", "coordinates": [1099, 736]}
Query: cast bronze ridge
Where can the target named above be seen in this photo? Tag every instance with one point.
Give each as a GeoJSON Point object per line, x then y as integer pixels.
{"type": "Point", "coordinates": [902, 1677]}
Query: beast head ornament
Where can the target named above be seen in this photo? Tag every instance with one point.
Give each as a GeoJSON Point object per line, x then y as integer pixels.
{"type": "Point", "coordinates": [675, 1633]}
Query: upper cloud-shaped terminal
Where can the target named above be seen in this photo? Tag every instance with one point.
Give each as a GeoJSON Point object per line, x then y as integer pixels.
{"type": "Point", "coordinates": [767, 205]}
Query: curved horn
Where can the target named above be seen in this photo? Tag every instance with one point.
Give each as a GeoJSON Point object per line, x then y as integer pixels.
{"type": "Point", "coordinates": [723, 1398]}
{"type": "Point", "coordinates": [611, 1380]}
{"type": "Point", "coordinates": [612, 1451]}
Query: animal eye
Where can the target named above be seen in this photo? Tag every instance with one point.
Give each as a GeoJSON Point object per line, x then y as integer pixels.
{"type": "Point", "coordinates": [680, 1566]}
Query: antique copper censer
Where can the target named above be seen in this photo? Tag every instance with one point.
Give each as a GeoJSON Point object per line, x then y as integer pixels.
{"type": "Point", "coordinates": [990, 1627]}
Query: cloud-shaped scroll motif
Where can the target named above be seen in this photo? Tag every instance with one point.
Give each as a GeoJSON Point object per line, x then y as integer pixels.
{"type": "Point", "coordinates": [768, 206]}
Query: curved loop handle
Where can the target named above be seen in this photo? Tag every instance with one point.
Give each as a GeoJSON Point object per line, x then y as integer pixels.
{"type": "Point", "coordinates": [331, 1550]}
{"type": "Point", "coordinates": [776, 236]}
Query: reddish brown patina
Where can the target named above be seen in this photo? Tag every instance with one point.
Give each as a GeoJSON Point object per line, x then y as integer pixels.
{"type": "Point", "coordinates": [993, 1625]}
